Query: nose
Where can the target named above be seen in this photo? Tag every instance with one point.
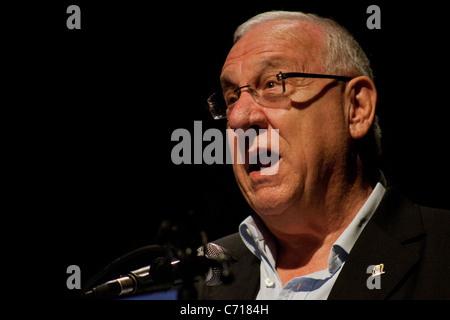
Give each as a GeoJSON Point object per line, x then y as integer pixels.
{"type": "Point", "coordinates": [247, 113]}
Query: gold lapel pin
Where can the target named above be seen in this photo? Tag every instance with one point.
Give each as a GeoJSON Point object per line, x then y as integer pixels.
{"type": "Point", "coordinates": [378, 270]}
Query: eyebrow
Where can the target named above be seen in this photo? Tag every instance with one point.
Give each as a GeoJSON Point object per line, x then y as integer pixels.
{"type": "Point", "coordinates": [273, 63]}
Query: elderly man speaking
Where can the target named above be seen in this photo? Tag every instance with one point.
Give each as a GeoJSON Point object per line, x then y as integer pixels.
{"type": "Point", "coordinates": [327, 225]}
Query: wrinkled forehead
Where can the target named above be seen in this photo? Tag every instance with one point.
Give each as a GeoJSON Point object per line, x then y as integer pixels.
{"type": "Point", "coordinates": [277, 44]}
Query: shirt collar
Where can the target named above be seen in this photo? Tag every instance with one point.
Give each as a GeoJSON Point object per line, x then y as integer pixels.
{"type": "Point", "coordinates": [261, 242]}
{"type": "Point", "coordinates": [348, 238]}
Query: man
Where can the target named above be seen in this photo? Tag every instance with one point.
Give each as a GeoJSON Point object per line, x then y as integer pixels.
{"type": "Point", "coordinates": [326, 225]}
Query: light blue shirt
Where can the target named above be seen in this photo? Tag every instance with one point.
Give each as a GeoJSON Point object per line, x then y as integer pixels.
{"type": "Point", "coordinates": [314, 286]}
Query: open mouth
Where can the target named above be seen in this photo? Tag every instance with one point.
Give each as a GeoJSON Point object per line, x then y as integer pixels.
{"type": "Point", "coordinates": [262, 162]}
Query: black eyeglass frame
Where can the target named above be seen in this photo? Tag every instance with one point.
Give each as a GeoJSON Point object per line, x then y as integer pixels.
{"type": "Point", "coordinates": [283, 76]}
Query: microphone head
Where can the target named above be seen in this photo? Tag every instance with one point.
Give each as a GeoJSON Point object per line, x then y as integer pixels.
{"type": "Point", "coordinates": [216, 275]}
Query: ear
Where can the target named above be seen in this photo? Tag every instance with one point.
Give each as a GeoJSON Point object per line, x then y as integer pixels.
{"type": "Point", "coordinates": [362, 99]}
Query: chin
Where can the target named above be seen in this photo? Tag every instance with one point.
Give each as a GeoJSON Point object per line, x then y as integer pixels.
{"type": "Point", "coordinates": [269, 195]}
{"type": "Point", "coordinates": [270, 202]}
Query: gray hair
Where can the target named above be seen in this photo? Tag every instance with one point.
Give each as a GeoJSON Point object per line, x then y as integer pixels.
{"type": "Point", "coordinates": [343, 56]}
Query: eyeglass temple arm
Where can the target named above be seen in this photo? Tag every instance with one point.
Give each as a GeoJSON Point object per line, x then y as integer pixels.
{"type": "Point", "coordinates": [282, 76]}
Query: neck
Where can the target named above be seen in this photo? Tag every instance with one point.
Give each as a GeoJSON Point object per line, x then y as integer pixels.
{"type": "Point", "coordinates": [306, 231]}
{"type": "Point", "coordinates": [321, 214]}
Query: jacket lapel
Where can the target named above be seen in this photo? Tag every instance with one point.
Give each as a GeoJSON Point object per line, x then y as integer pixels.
{"type": "Point", "coordinates": [394, 238]}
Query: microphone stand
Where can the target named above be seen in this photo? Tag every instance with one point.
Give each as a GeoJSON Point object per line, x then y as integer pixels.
{"type": "Point", "coordinates": [120, 261]}
{"type": "Point", "coordinates": [180, 251]}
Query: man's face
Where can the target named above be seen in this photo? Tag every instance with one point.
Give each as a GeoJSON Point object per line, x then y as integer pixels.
{"type": "Point", "coordinates": [313, 134]}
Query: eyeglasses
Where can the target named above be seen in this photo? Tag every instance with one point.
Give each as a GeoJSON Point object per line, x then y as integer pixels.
{"type": "Point", "coordinates": [267, 91]}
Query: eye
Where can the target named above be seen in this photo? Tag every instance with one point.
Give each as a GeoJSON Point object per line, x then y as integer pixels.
{"type": "Point", "coordinates": [231, 99]}
{"type": "Point", "coordinates": [271, 84]}
{"type": "Point", "coordinates": [272, 87]}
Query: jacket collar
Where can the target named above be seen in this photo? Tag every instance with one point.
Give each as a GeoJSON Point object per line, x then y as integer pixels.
{"type": "Point", "coordinates": [393, 237]}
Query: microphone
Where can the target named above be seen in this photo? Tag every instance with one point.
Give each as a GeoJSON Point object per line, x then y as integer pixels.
{"type": "Point", "coordinates": [162, 274]}
{"type": "Point", "coordinates": [216, 275]}
{"type": "Point", "coordinates": [158, 276]}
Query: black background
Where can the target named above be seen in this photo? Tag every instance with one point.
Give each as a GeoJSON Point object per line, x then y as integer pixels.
{"type": "Point", "coordinates": [102, 102]}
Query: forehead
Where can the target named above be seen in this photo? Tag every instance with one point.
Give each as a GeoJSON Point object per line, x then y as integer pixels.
{"type": "Point", "coordinates": [276, 44]}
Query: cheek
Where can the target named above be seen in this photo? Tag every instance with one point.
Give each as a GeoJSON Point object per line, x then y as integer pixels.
{"type": "Point", "coordinates": [313, 136]}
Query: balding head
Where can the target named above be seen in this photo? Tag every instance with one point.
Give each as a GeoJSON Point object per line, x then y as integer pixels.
{"type": "Point", "coordinates": [303, 41]}
{"type": "Point", "coordinates": [344, 55]}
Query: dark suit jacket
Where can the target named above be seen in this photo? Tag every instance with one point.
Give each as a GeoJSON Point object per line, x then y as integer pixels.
{"type": "Point", "coordinates": [413, 243]}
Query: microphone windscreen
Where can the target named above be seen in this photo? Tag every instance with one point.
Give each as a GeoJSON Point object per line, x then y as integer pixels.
{"type": "Point", "coordinates": [216, 275]}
